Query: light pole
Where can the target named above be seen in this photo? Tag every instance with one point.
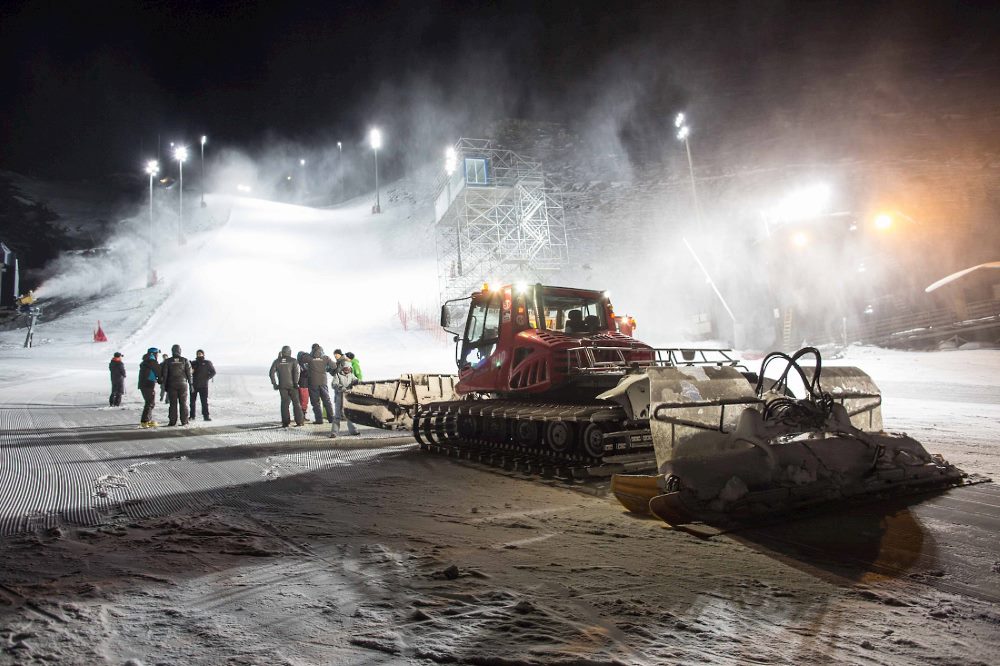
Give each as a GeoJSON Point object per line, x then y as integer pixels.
{"type": "Point", "coordinates": [152, 168]}
{"type": "Point", "coordinates": [683, 132]}
{"type": "Point", "coordinates": [180, 154]}
{"type": "Point", "coordinates": [204, 139]}
{"type": "Point", "coordinates": [376, 140]}
{"type": "Point", "coordinates": [340, 169]}
{"type": "Point", "coordinates": [304, 186]}
{"type": "Point", "coordinates": [450, 163]}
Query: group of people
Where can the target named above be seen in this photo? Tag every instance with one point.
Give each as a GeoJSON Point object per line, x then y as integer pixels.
{"type": "Point", "coordinates": [301, 380]}
{"type": "Point", "coordinates": [180, 381]}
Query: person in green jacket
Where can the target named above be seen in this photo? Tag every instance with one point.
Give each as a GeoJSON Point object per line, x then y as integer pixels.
{"type": "Point", "coordinates": [355, 365]}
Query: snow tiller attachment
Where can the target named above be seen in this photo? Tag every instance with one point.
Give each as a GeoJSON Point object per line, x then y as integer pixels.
{"type": "Point", "coordinates": [391, 404]}
{"type": "Point", "coordinates": [727, 450]}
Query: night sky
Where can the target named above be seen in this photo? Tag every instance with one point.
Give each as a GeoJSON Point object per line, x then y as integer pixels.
{"type": "Point", "coordinates": [88, 87]}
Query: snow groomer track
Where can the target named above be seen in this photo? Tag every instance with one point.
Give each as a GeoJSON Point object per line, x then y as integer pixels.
{"type": "Point", "coordinates": [54, 471]}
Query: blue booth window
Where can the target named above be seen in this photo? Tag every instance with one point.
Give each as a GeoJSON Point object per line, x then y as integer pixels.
{"type": "Point", "coordinates": [475, 171]}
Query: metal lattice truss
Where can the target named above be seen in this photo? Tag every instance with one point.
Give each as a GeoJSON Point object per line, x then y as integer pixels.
{"type": "Point", "coordinates": [503, 223]}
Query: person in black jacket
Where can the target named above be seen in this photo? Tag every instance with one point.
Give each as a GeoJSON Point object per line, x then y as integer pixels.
{"type": "Point", "coordinates": [149, 377]}
{"type": "Point", "coordinates": [163, 389]}
{"type": "Point", "coordinates": [284, 374]}
{"type": "Point", "coordinates": [319, 394]}
{"type": "Point", "coordinates": [202, 372]}
{"type": "Point", "coordinates": [117, 368]}
{"type": "Point", "coordinates": [175, 377]}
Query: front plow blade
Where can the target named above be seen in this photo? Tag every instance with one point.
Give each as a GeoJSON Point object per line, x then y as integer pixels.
{"type": "Point", "coordinates": [391, 404]}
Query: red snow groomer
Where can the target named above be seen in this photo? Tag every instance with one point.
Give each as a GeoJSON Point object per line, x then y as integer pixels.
{"type": "Point", "coordinates": [548, 384]}
{"type": "Point", "coordinates": [535, 365]}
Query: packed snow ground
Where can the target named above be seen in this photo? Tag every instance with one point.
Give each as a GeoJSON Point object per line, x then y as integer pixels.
{"type": "Point", "coordinates": [245, 543]}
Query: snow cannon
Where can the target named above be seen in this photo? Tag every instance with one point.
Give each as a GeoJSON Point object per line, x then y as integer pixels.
{"type": "Point", "coordinates": [727, 450]}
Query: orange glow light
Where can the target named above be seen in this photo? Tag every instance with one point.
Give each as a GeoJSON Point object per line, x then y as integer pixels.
{"type": "Point", "coordinates": [883, 221]}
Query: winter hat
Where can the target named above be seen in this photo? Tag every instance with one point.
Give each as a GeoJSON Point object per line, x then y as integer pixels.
{"type": "Point", "coordinates": [176, 350]}
{"type": "Point", "coordinates": [152, 350]}
{"type": "Point", "coordinates": [286, 351]}
{"type": "Point", "coordinates": [337, 351]}
{"type": "Point", "coordinates": [350, 355]}
{"type": "Point", "coordinates": [118, 354]}
{"type": "Point", "coordinates": [200, 351]}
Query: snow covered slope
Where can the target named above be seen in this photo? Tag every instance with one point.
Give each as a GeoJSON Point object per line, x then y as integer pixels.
{"type": "Point", "coordinates": [274, 274]}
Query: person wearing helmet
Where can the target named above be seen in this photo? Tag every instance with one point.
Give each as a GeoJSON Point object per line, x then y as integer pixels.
{"type": "Point", "coordinates": [284, 374]}
{"type": "Point", "coordinates": [149, 377]}
{"type": "Point", "coordinates": [176, 377]}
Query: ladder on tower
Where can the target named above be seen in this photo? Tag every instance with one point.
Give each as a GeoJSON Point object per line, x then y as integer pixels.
{"type": "Point", "coordinates": [786, 330]}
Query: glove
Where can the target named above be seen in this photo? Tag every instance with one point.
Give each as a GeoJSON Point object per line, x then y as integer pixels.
{"type": "Point", "coordinates": [275, 386]}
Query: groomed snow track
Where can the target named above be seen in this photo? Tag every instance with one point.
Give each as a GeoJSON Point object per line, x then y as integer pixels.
{"type": "Point", "coordinates": [54, 473]}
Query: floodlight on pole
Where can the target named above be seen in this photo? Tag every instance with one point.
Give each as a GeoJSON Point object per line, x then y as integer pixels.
{"type": "Point", "coordinates": [375, 137]}
{"type": "Point", "coordinates": [804, 203]}
{"type": "Point", "coordinates": [303, 181]}
{"type": "Point", "coordinates": [340, 168]}
{"type": "Point", "coordinates": [204, 140]}
{"type": "Point", "coordinates": [152, 168]}
{"type": "Point", "coordinates": [885, 220]}
{"type": "Point", "coordinates": [683, 134]}
{"type": "Point", "coordinates": [450, 160]}
{"type": "Point", "coordinates": [180, 154]}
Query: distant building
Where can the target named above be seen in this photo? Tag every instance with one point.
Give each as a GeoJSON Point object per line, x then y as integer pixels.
{"type": "Point", "coordinates": [9, 277]}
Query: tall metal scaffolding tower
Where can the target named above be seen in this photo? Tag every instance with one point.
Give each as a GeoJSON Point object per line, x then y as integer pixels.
{"type": "Point", "coordinates": [496, 218]}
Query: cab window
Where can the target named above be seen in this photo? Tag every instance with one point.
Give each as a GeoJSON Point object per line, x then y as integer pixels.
{"type": "Point", "coordinates": [574, 314]}
{"type": "Point", "coordinates": [483, 330]}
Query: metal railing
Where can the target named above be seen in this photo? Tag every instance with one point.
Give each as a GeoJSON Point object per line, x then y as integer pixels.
{"type": "Point", "coordinates": [596, 359]}
{"type": "Point", "coordinates": [936, 323]}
